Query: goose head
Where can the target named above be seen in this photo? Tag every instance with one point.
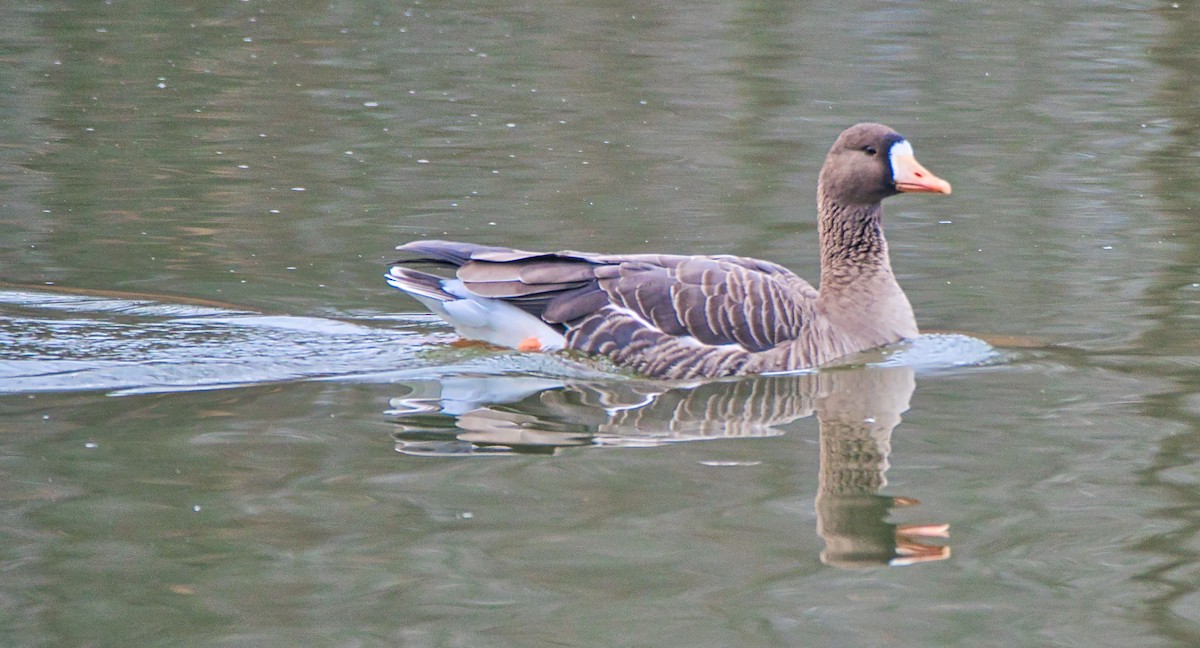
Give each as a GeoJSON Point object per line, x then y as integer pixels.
{"type": "Point", "coordinates": [870, 162]}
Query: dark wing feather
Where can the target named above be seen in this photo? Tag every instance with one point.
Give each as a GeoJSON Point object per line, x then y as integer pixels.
{"type": "Point", "coordinates": [573, 305]}
{"type": "Point", "coordinates": [561, 283]}
{"type": "Point", "coordinates": [447, 252]}
{"type": "Point", "coordinates": [716, 300]}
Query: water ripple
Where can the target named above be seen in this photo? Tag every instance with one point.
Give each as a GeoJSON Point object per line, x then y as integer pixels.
{"type": "Point", "coordinates": [56, 342]}
{"type": "Point", "coordinates": [134, 346]}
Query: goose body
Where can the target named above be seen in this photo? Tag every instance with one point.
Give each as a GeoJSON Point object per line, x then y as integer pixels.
{"type": "Point", "coordinates": [675, 316]}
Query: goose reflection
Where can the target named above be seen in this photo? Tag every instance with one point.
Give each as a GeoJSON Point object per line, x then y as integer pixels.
{"type": "Point", "coordinates": [856, 410]}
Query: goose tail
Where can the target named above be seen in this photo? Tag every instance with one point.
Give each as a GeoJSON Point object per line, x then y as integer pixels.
{"type": "Point", "coordinates": [476, 317]}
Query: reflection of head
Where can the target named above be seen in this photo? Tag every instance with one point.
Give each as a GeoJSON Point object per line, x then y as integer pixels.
{"type": "Point", "coordinates": [857, 534]}
{"type": "Point", "coordinates": [857, 413]}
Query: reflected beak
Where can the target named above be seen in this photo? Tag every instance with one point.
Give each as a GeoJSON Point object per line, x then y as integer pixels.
{"type": "Point", "coordinates": [911, 177]}
{"type": "Point", "coordinates": [924, 530]}
{"type": "Point", "coordinates": [910, 548]}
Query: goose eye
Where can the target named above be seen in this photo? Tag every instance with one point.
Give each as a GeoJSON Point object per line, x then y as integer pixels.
{"type": "Point", "coordinates": [869, 150]}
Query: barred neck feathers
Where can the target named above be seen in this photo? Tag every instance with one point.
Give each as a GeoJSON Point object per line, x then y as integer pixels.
{"type": "Point", "coordinates": [852, 244]}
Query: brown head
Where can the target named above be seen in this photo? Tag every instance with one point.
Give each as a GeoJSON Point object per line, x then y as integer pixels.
{"type": "Point", "coordinates": [870, 162]}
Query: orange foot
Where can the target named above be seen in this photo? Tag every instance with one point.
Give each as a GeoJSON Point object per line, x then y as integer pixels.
{"type": "Point", "coordinates": [529, 345]}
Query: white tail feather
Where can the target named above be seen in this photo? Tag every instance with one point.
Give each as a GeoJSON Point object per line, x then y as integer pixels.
{"type": "Point", "coordinates": [475, 317]}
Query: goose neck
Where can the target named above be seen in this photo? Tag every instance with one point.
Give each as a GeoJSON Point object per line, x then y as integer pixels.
{"type": "Point", "coordinates": [852, 243]}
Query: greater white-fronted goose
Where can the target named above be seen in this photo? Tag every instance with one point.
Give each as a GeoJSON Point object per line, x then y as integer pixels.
{"type": "Point", "coordinates": [676, 317]}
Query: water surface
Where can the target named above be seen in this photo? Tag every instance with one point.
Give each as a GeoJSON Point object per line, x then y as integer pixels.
{"type": "Point", "coordinates": [219, 427]}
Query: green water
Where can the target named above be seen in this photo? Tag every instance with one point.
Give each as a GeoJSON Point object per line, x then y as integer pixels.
{"type": "Point", "coordinates": [219, 427]}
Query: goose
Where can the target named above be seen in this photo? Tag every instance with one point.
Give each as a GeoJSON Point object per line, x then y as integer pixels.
{"type": "Point", "coordinates": [681, 317]}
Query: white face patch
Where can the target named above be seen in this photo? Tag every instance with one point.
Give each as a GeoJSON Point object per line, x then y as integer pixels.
{"type": "Point", "coordinates": [901, 147]}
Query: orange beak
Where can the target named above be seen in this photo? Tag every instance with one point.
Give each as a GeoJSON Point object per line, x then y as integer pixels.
{"type": "Point", "coordinates": [910, 176]}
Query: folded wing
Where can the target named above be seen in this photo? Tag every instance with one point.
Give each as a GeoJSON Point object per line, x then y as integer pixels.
{"type": "Point", "coordinates": [714, 301]}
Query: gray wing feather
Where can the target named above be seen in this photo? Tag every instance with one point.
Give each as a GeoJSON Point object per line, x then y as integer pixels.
{"type": "Point", "coordinates": [720, 300]}
{"type": "Point", "coordinates": [717, 301]}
